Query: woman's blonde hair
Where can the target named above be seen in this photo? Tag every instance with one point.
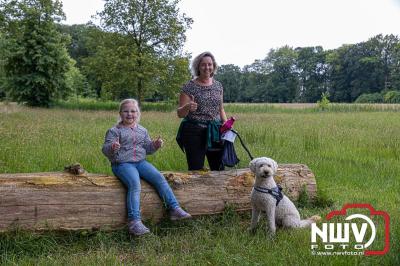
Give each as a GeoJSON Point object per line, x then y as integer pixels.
{"type": "Point", "coordinates": [194, 67]}
{"type": "Point", "coordinates": [135, 103]}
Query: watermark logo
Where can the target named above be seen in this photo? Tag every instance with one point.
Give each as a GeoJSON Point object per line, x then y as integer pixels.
{"type": "Point", "coordinates": [352, 234]}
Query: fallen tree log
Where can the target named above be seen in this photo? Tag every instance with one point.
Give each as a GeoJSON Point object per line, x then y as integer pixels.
{"type": "Point", "coordinates": [63, 201]}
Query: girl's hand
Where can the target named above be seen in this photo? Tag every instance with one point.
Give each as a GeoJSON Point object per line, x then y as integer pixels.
{"type": "Point", "coordinates": [158, 143]}
{"type": "Point", "coordinates": [115, 146]}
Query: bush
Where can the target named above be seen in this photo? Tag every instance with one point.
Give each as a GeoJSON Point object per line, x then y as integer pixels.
{"type": "Point", "coordinates": [324, 102]}
{"type": "Point", "coordinates": [370, 98]}
{"type": "Point", "coordinates": [392, 97]}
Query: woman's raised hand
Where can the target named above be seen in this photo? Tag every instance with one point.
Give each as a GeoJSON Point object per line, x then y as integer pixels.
{"type": "Point", "coordinates": [192, 104]}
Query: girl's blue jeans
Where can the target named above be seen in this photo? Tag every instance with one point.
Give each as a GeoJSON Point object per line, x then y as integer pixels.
{"type": "Point", "coordinates": [130, 174]}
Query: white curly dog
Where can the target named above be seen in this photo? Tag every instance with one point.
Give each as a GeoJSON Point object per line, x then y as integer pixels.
{"type": "Point", "coordinates": [267, 197]}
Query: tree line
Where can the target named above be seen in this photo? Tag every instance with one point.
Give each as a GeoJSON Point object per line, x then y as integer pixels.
{"type": "Point", "coordinates": [364, 72]}
{"type": "Point", "coordinates": [137, 51]}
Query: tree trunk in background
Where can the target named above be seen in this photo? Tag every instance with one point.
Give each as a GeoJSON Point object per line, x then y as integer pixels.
{"type": "Point", "coordinates": [62, 201]}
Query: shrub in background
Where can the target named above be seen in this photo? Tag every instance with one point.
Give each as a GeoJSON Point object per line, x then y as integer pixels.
{"type": "Point", "coordinates": [370, 98]}
{"type": "Point", "coordinates": [324, 102]}
{"type": "Point", "coordinates": [392, 97]}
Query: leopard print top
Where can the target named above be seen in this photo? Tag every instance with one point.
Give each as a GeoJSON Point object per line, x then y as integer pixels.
{"type": "Point", "coordinates": [208, 98]}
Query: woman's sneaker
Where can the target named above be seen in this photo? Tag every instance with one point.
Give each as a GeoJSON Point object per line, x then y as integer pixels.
{"type": "Point", "coordinates": [179, 214]}
{"type": "Point", "coordinates": [137, 228]}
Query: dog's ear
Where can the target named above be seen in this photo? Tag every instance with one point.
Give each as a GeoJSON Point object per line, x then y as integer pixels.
{"type": "Point", "coordinates": [252, 165]}
{"type": "Point", "coordinates": [275, 164]}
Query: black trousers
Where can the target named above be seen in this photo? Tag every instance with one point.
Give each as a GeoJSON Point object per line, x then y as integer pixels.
{"type": "Point", "coordinates": [194, 138]}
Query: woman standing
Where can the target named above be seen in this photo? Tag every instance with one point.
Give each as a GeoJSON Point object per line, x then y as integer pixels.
{"type": "Point", "coordinates": [126, 146]}
{"type": "Point", "coordinates": [202, 110]}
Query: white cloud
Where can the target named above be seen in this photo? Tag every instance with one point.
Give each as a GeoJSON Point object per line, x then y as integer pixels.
{"type": "Point", "coordinates": [80, 11]}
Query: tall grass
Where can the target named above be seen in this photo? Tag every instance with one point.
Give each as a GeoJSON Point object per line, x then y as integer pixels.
{"type": "Point", "coordinates": [308, 107]}
{"type": "Point", "coordinates": [92, 104]}
{"type": "Point", "coordinates": [355, 157]}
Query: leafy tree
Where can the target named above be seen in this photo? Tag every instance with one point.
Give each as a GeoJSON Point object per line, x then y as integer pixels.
{"type": "Point", "coordinates": [155, 30]}
{"type": "Point", "coordinates": [77, 83]}
{"type": "Point", "coordinates": [85, 39]}
{"type": "Point", "coordinates": [247, 85]}
{"type": "Point", "coordinates": [256, 86]}
{"type": "Point", "coordinates": [2, 70]}
{"type": "Point", "coordinates": [37, 59]}
{"type": "Point", "coordinates": [109, 63]}
{"type": "Point", "coordinates": [366, 67]}
{"type": "Point", "coordinates": [312, 70]}
{"type": "Point", "coordinates": [78, 47]}
{"type": "Point", "coordinates": [339, 76]}
{"type": "Point", "coordinates": [230, 76]}
{"type": "Point", "coordinates": [173, 72]}
{"type": "Point", "coordinates": [112, 64]}
{"type": "Point", "coordinates": [281, 65]}
{"type": "Point", "coordinates": [395, 68]}
{"type": "Point", "coordinates": [386, 48]}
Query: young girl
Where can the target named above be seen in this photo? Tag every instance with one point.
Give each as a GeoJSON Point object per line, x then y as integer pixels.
{"type": "Point", "coordinates": [126, 146]}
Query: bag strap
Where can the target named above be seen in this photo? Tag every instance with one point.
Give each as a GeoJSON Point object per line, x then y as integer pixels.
{"type": "Point", "coordinates": [241, 142]}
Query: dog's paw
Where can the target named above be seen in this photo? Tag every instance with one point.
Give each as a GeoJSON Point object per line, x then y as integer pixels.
{"type": "Point", "coordinates": [271, 236]}
{"type": "Point", "coordinates": [271, 233]}
{"type": "Point", "coordinates": [315, 218]}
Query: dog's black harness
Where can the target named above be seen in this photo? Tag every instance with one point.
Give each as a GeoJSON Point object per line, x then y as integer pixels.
{"type": "Point", "coordinates": [275, 192]}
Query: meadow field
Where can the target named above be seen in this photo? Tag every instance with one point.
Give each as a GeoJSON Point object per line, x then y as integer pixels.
{"type": "Point", "coordinates": [353, 151]}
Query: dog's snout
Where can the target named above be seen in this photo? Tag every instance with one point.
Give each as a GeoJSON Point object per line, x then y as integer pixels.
{"type": "Point", "coordinates": [265, 171]}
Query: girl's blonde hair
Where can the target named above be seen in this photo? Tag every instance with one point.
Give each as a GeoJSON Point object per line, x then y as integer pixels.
{"type": "Point", "coordinates": [135, 103]}
{"type": "Point", "coordinates": [194, 67]}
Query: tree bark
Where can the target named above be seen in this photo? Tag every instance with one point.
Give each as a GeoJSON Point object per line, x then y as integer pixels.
{"type": "Point", "coordinates": [63, 201]}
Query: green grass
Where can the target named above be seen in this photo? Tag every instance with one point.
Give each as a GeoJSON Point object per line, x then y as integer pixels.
{"type": "Point", "coordinates": [93, 104]}
{"type": "Point", "coordinates": [308, 108]}
{"type": "Point", "coordinates": [354, 155]}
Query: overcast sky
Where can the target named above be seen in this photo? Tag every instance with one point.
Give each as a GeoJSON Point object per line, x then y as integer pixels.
{"type": "Point", "coordinates": [241, 31]}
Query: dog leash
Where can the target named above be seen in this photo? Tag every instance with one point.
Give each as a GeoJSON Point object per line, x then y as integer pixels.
{"type": "Point", "coordinates": [276, 192]}
{"type": "Point", "coordinates": [241, 142]}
